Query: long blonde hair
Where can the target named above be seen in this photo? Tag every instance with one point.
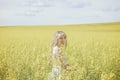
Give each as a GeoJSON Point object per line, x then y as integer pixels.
{"type": "Point", "coordinates": [56, 37]}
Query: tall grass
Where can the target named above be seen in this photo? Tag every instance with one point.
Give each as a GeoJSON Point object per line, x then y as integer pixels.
{"type": "Point", "coordinates": [92, 55]}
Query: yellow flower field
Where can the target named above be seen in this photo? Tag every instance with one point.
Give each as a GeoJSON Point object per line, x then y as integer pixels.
{"type": "Point", "coordinates": [93, 52]}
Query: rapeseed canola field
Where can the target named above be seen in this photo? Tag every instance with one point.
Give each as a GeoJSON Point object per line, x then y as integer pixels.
{"type": "Point", "coordinates": [93, 52]}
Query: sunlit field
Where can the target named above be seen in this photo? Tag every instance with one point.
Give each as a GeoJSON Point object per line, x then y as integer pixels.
{"type": "Point", "coordinates": [93, 52]}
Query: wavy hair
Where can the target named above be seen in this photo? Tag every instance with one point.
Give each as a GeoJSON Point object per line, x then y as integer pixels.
{"type": "Point", "coordinates": [56, 36]}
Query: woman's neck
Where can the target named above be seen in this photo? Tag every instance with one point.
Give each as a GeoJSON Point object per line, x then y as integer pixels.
{"type": "Point", "coordinates": [58, 45]}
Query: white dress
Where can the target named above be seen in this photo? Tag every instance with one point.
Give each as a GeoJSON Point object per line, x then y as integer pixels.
{"type": "Point", "coordinates": [55, 74]}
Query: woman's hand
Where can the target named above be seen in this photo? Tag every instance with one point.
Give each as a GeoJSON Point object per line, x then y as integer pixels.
{"type": "Point", "coordinates": [66, 66]}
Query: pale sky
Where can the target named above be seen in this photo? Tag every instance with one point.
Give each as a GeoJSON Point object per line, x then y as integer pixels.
{"type": "Point", "coordinates": [50, 12]}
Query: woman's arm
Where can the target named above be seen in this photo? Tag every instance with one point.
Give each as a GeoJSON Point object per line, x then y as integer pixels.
{"type": "Point", "coordinates": [61, 61]}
